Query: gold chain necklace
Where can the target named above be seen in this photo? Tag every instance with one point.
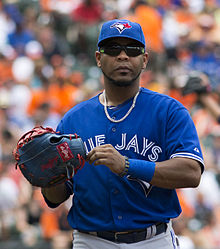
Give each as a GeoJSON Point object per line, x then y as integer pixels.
{"type": "Point", "coordinates": [125, 116]}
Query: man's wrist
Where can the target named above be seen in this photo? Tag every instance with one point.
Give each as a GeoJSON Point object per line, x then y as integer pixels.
{"type": "Point", "coordinates": [141, 169]}
{"type": "Point", "coordinates": [125, 170]}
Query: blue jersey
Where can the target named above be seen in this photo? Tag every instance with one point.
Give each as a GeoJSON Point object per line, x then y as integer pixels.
{"type": "Point", "coordinates": [158, 128]}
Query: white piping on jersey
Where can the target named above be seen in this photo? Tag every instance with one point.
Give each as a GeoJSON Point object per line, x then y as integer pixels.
{"type": "Point", "coordinates": [188, 155]}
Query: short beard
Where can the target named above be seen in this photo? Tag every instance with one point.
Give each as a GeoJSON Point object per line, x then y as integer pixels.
{"type": "Point", "coordinates": [122, 83]}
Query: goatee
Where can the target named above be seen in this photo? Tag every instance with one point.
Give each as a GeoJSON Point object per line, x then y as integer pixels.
{"type": "Point", "coordinates": [122, 83]}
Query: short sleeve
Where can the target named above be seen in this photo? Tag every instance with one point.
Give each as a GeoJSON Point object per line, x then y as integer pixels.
{"type": "Point", "coordinates": [181, 136]}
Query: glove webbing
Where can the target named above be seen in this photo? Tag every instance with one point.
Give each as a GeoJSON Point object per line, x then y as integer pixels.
{"type": "Point", "coordinates": [29, 136]}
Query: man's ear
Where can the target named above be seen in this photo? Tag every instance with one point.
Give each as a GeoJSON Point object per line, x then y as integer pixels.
{"type": "Point", "coordinates": [145, 60]}
{"type": "Point", "coordinates": [97, 57]}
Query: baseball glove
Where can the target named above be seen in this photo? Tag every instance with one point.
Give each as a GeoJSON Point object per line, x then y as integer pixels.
{"type": "Point", "coordinates": [196, 82]}
{"type": "Point", "coordinates": [47, 158]}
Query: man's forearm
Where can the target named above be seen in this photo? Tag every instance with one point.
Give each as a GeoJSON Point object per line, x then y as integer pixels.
{"type": "Point", "coordinates": [177, 173]}
{"type": "Point", "coordinates": [56, 194]}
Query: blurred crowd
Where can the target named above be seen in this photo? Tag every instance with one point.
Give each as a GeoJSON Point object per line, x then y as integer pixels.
{"type": "Point", "coordinates": [47, 65]}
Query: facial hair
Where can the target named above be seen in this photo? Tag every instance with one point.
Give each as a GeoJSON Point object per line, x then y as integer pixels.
{"type": "Point", "coordinates": [121, 83]}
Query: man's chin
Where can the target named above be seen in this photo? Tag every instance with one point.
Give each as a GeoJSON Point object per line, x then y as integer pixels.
{"type": "Point", "coordinates": [122, 83]}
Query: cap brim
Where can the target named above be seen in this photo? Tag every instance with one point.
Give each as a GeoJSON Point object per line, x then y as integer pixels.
{"type": "Point", "coordinates": [105, 41]}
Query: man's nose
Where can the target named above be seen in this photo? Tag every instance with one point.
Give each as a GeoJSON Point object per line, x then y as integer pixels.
{"type": "Point", "coordinates": [123, 55]}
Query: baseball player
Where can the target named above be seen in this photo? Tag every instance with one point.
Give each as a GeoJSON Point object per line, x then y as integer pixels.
{"type": "Point", "coordinates": [141, 146]}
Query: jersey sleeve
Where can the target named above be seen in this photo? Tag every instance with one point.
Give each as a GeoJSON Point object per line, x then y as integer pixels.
{"type": "Point", "coordinates": [181, 136]}
{"type": "Point", "coordinates": [60, 127]}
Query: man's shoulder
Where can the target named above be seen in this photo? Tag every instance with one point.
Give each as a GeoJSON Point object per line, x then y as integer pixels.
{"type": "Point", "coordinates": [157, 96]}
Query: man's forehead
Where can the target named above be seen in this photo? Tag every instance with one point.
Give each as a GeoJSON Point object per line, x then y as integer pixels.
{"type": "Point", "coordinates": [122, 41]}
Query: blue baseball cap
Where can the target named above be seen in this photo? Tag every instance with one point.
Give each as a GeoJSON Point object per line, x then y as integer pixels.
{"type": "Point", "coordinates": [121, 28]}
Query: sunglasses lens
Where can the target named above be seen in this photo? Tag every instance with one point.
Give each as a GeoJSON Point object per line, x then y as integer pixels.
{"type": "Point", "coordinates": [116, 50]}
{"type": "Point", "coordinates": [133, 51]}
{"type": "Point", "coordinates": [113, 50]}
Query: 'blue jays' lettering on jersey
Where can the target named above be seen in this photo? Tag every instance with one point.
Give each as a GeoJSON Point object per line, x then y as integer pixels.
{"type": "Point", "coordinates": [158, 128]}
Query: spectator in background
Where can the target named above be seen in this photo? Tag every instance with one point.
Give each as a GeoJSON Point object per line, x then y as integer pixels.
{"type": "Point", "coordinates": [176, 26]}
{"type": "Point", "coordinates": [7, 26]}
{"type": "Point", "coordinates": [20, 36]}
{"type": "Point", "coordinates": [205, 42]}
{"type": "Point", "coordinates": [151, 21]}
{"type": "Point", "coordinates": [9, 130]}
{"type": "Point", "coordinates": [84, 30]}
{"type": "Point", "coordinates": [204, 59]}
{"type": "Point", "coordinates": [5, 69]}
{"type": "Point", "coordinates": [199, 83]}
{"type": "Point", "coordinates": [51, 43]}
{"type": "Point", "coordinates": [58, 89]}
{"type": "Point", "coordinates": [211, 103]}
{"type": "Point", "coordinates": [9, 197]}
{"type": "Point", "coordinates": [43, 116]}
{"type": "Point", "coordinates": [88, 12]}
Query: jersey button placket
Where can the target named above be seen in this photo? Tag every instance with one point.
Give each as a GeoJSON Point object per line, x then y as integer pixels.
{"type": "Point", "coordinates": [116, 191]}
{"type": "Point", "coordinates": [115, 196]}
{"type": "Point", "coordinates": [113, 129]}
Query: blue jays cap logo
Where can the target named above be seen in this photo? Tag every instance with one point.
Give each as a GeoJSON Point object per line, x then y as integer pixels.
{"type": "Point", "coordinates": [121, 26]}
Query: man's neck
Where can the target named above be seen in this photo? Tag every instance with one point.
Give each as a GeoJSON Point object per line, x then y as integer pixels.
{"type": "Point", "coordinates": [118, 95]}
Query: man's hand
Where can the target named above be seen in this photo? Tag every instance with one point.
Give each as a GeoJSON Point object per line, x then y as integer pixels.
{"type": "Point", "coordinates": [107, 155]}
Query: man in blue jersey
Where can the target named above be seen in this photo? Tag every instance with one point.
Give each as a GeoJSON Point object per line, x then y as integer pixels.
{"type": "Point", "coordinates": [141, 146]}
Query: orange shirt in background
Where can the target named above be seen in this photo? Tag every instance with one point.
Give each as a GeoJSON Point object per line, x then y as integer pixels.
{"type": "Point", "coordinates": [151, 22]}
{"type": "Point", "coordinates": [188, 101]}
{"type": "Point", "coordinates": [5, 71]}
{"type": "Point", "coordinates": [187, 208]}
{"type": "Point", "coordinates": [61, 99]}
{"type": "Point", "coordinates": [49, 223]}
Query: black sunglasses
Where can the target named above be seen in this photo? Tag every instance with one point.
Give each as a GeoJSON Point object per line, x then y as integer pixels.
{"type": "Point", "coordinates": [115, 50]}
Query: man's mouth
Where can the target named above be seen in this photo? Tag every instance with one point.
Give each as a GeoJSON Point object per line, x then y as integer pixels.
{"type": "Point", "coordinates": [123, 69]}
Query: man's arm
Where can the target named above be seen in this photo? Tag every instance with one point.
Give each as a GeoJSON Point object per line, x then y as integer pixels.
{"type": "Point", "coordinates": [177, 173]}
{"type": "Point", "coordinates": [56, 194]}
{"type": "Point", "coordinates": [174, 173]}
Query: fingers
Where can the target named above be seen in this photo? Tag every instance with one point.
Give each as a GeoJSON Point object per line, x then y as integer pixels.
{"type": "Point", "coordinates": [107, 155]}
{"type": "Point", "coordinates": [99, 153]}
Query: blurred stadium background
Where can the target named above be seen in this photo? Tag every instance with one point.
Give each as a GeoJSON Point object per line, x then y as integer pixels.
{"type": "Point", "coordinates": [47, 65]}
